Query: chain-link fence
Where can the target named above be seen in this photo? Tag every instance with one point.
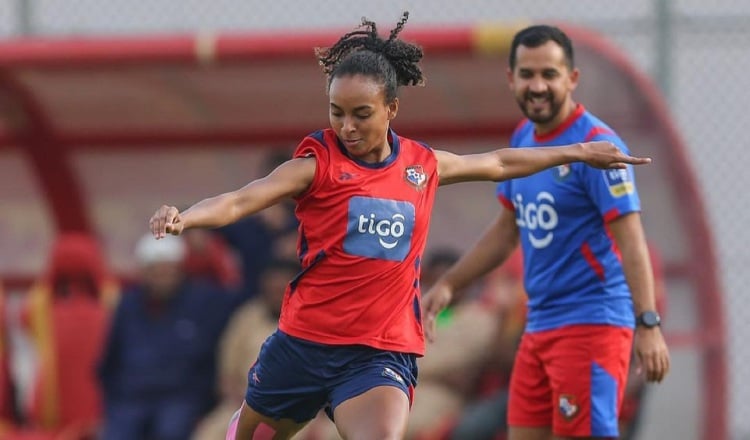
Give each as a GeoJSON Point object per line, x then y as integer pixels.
{"type": "Point", "coordinates": [695, 50]}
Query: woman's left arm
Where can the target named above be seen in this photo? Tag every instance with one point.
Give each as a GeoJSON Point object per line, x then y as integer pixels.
{"type": "Point", "coordinates": [509, 163]}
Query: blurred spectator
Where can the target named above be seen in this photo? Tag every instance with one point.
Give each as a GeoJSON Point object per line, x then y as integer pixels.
{"type": "Point", "coordinates": [437, 262]}
{"type": "Point", "coordinates": [285, 245]}
{"type": "Point", "coordinates": [240, 344]}
{"type": "Point", "coordinates": [7, 391]}
{"type": "Point", "coordinates": [451, 367]}
{"type": "Point", "coordinates": [67, 313]}
{"type": "Point", "coordinates": [254, 237]}
{"type": "Point", "coordinates": [158, 370]}
{"type": "Point", "coordinates": [484, 417]}
{"type": "Point", "coordinates": [208, 257]}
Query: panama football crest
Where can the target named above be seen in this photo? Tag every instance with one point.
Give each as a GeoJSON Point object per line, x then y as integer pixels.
{"type": "Point", "coordinates": [415, 176]}
{"type": "Point", "coordinates": [567, 406]}
{"type": "Point", "coordinates": [562, 171]}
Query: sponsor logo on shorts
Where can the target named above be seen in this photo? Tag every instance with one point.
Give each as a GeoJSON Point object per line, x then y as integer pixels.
{"type": "Point", "coordinates": [568, 406]}
{"type": "Point", "coordinates": [389, 373]}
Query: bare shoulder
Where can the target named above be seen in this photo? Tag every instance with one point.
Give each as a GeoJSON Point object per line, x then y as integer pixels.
{"type": "Point", "coordinates": [443, 155]}
{"type": "Point", "coordinates": [300, 167]}
{"type": "Point", "coordinates": [447, 162]}
{"type": "Point", "coordinates": [293, 176]}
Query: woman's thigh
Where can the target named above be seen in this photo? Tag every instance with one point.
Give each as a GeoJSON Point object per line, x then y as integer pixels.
{"type": "Point", "coordinates": [380, 413]}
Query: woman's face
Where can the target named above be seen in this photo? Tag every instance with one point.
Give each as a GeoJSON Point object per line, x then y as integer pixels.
{"type": "Point", "coordinates": [360, 116]}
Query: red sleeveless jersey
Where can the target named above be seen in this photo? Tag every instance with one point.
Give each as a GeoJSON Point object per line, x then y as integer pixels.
{"type": "Point", "coordinates": [363, 228]}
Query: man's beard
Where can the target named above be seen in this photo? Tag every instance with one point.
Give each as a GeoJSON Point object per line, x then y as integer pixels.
{"type": "Point", "coordinates": [554, 107]}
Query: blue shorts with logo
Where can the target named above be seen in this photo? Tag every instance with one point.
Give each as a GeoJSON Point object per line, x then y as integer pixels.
{"type": "Point", "coordinates": [294, 378]}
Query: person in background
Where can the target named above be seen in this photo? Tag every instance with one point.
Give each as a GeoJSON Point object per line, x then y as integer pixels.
{"type": "Point", "coordinates": [471, 359]}
{"type": "Point", "coordinates": [158, 370]}
{"type": "Point", "coordinates": [254, 238]}
{"type": "Point", "coordinates": [452, 365]}
{"type": "Point", "coordinates": [210, 258]}
{"type": "Point", "coordinates": [587, 270]}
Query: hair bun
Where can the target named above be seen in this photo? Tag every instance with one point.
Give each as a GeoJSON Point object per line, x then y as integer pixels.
{"type": "Point", "coordinates": [403, 57]}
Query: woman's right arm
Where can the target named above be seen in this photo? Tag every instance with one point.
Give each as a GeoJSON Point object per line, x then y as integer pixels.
{"type": "Point", "coordinates": [288, 180]}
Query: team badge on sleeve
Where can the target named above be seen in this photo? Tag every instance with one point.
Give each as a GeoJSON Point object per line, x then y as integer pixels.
{"type": "Point", "coordinates": [415, 176]}
{"type": "Point", "coordinates": [619, 182]}
{"type": "Point", "coordinates": [562, 171]}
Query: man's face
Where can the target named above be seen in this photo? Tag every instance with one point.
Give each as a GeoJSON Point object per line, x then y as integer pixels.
{"type": "Point", "coordinates": [542, 83]}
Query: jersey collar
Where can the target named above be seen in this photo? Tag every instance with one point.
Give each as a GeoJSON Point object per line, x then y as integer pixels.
{"type": "Point", "coordinates": [395, 147]}
{"type": "Point", "coordinates": [577, 113]}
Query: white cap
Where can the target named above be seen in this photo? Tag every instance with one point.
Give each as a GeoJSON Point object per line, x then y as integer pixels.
{"type": "Point", "coordinates": [170, 249]}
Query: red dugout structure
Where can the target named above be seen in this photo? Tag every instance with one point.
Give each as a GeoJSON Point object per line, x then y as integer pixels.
{"type": "Point", "coordinates": [94, 134]}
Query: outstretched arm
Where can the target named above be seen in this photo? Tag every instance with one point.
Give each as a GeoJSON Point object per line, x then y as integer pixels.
{"type": "Point", "coordinates": [509, 163]}
{"type": "Point", "coordinates": [289, 179]}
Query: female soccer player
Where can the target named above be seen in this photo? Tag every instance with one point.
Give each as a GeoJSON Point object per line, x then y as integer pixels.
{"type": "Point", "coordinates": [350, 327]}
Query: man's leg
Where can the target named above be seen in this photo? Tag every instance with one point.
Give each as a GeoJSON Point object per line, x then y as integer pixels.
{"type": "Point", "coordinates": [530, 397]}
{"type": "Point", "coordinates": [588, 367]}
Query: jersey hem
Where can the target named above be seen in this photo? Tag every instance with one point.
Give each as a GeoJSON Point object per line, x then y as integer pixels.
{"type": "Point", "coordinates": [544, 328]}
{"type": "Point", "coordinates": [375, 343]}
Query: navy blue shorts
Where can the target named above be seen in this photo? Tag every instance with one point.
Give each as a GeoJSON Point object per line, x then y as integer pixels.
{"type": "Point", "coordinates": [294, 378]}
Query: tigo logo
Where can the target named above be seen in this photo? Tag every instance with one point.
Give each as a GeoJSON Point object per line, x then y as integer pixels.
{"type": "Point", "coordinates": [387, 231]}
{"type": "Point", "coordinates": [539, 215]}
{"type": "Point", "coordinates": [379, 228]}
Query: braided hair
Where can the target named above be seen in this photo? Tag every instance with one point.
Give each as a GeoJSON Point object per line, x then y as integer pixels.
{"type": "Point", "coordinates": [392, 62]}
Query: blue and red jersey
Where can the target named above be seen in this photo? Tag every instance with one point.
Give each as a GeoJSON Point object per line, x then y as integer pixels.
{"type": "Point", "coordinates": [363, 229]}
{"type": "Point", "coordinates": [572, 267]}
